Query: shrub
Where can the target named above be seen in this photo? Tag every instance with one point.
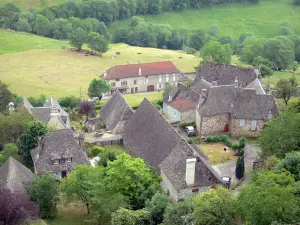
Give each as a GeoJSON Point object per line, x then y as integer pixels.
{"type": "Point", "coordinates": [216, 139]}
{"type": "Point", "coordinates": [242, 142]}
{"type": "Point", "coordinates": [164, 47]}
{"type": "Point", "coordinates": [184, 124]}
{"type": "Point", "coordinates": [94, 151]}
{"type": "Point", "coordinates": [240, 168]}
{"type": "Point", "coordinates": [191, 51]}
{"type": "Point", "coordinates": [265, 71]}
{"type": "Point", "coordinates": [134, 107]}
{"type": "Point", "coordinates": [224, 138]}
{"type": "Point", "coordinates": [195, 141]}
{"type": "Point", "coordinates": [158, 107]}
{"type": "Point", "coordinates": [235, 146]}
{"type": "Point", "coordinates": [209, 139]}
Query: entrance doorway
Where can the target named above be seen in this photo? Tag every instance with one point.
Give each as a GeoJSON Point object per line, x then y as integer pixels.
{"type": "Point", "coordinates": [150, 88]}
{"type": "Point", "coordinates": [63, 174]}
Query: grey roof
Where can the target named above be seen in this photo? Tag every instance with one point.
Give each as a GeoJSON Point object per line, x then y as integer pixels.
{"type": "Point", "coordinates": [15, 176]}
{"type": "Point", "coordinates": [225, 74]}
{"type": "Point", "coordinates": [25, 103]}
{"type": "Point", "coordinates": [256, 85]}
{"type": "Point", "coordinates": [53, 103]}
{"type": "Point", "coordinates": [41, 113]}
{"type": "Point", "coordinates": [219, 100]}
{"type": "Point", "coordinates": [201, 84]}
{"type": "Point", "coordinates": [115, 110]}
{"type": "Point", "coordinates": [59, 144]}
{"type": "Point", "coordinates": [150, 137]}
{"type": "Point", "coordinates": [183, 92]}
{"type": "Point", "coordinates": [250, 105]}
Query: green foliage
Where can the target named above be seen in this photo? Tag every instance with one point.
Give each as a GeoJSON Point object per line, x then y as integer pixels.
{"type": "Point", "coordinates": [291, 163]}
{"type": "Point", "coordinates": [78, 37]}
{"type": "Point", "coordinates": [296, 2]}
{"type": "Point", "coordinates": [98, 87]}
{"type": "Point", "coordinates": [285, 28]}
{"type": "Point", "coordinates": [70, 102]}
{"type": "Point", "coordinates": [215, 207]}
{"type": "Point", "coordinates": [240, 168]}
{"type": "Point", "coordinates": [61, 28]}
{"type": "Point", "coordinates": [195, 141]}
{"type": "Point", "coordinates": [94, 151]}
{"type": "Point", "coordinates": [10, 150]}
{"type": "Point", "coordinates": [44, 191]}
{"type": "Point", "coordinates": [97, 42]}
{"type": "Point", "coordinates": [197, 39]}
{"type": "Point", "coordinates": [37, 102]}
{"type": "Point", "coordinates": [285, 88]}
{"type": "Point", "coordinates": [157, 206]}
{"type": "Point", "coordinates": [252, 49]}
{"type": "Point", "coordinates": [216, 52]}
{"type": "Point", "coordinates": [5, 97]}
{"type": "Point", "coordinates": [191, 51]}
{"type": "Point", "coordinates": [106, 156]}
{"type": "Point", "coordinates": [23, 25]}
{"type": "Point", "coordinates": [265, 71]}
{"type": "Point", "coordinates": [188, 82]}
{"type": "Point", "coordinates": [42, 26]}
{"type": "Point", "coordinates": [214, 30]}
{"type": "Point", "coordinates": [29, 139]}
{"type": "Point", "coordinates": [294, 66]}
{"type": "Point", "coordinates": [130, 217]}
{"type": "Point", "coordinates": [167, 89]}
{"type": "Point", "coordinates": [268, 198]}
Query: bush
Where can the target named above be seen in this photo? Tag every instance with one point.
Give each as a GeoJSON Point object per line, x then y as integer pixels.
{"type": "Point", "coordinates": [242, 142]}
{"type": "Point", "coordinates": [216, 139]}
{"type": "Point", "coordinates": [164, 47]}
{"type": "Point", "coordinates": [69, 102]}
{"type": "Point", "coordinates": [240, 168]}
{"type": "Point", "coordinates": [191, 51]}
{"type": "Point", "coordinates": [265, 71]}
{"type": "Point", "coordinates": [184, 124]}
{"type": "Point", "coordinates": [195, 141]}
{"type": "Point", "coordinates": [235, 146]}
{"type": "Point", "coordinates": [94, 151]}
{"type": "Point", "coordinates": [224, 138]}
{"type": "Point", "coordinates": [209, 139]}
{"type": "Point", "coordinates": [158, 107]}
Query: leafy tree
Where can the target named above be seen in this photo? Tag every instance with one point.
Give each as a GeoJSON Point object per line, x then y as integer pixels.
{"type": "Point", "coordinates": [155, 7]}
{"type": "Point", "coordinates": [214, 207]}
{"type": "Point", "coordinates": [252, 49]}
{"type": "Point", "coordinates": [188, 82]}
{"type": "Point", "coordinates": [37, 102]}
{"type": "Point", "coordinates": [214, 51]}
{"type": "Point", "coordinates": [179, 5]}
{"type": "Point", "coordinates": [44, 191]}
{"type": "Point", "coordinates": [5, 97]}
{"type": "Point", "coordinates": [285, 28]}
{"type": "Point", "coordinates": [10, 150]}
{"type": "Point", "coordinates": [131, 217]}
{"type": "Point", "coordinates": [42, 25]}
{"type": "Point", "coordinates": [10, 15]}
{"type": "Point", "coordinates": [157, 206]}
{"type": "Point", "coordinates": [98, 87]}
{"type": "Point", "coordinates": [70, 102]}
{"type": "Point", "coordinates": [240, 168]}
{"type": "Point", "coordinates": [77, 38]}
{"type": "Point", "coordinates": [167, 89]}
{"type": "Point", "coordinates": [143, 36]}
{"type": "Point", "coordinates": [285, 88]}
{"type": "Point", "coordinates": [86, 108]}
{"type": "Point", "coordinates": [269, 198]}
{"type": "Point", "coordinates": [265, 71]}
{"type": "Point", "coordinates": [294, 66]}
{"type": "Point", "coordinates": [296, 2]}
{"type": "Point", "coordinates": [105, 156]}
{"type": "Point", "coordinates": [291, 163]}
{"type": "Point", "coordinates": [97, 43]}
{"type": "Point", "coordinates": [23, 25]}
{"type": "Point", "coordinates": [163, 34]}
{"type": "Point", "coordinates": [176, 213]}
{"type": "Point", "coordinates": [135, 20]}
{"type": "Point", "coordinates": [29, 139]}
{"type": "Point", "coordinates": [141, 7]}
{"type": "Point", "coordinates": [214, 30]}
{"type": "Point", "coordinates": [61, 28]}
{"type": "Point", "coordinates": [282, 134]}
{"type": "Point", "coordinates": [121, 36]}
{"type": "Point", "coordinates": [197, 39]}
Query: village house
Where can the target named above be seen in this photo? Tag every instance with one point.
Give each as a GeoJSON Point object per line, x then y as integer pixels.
{"type": "Point", "coordinates": [116, 113]}
{"type": "Point", "coordinates": [184, 171]}
{"type": "Point", "coordinates": [58, 153]}
{"type": "Point", "coordinates": [142, 77]}
{"type": "Point", "coordinates": [52, 114]}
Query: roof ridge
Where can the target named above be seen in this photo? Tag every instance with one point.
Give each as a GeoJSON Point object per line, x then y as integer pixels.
{"type": "Point", "coordinates": [144, 63]}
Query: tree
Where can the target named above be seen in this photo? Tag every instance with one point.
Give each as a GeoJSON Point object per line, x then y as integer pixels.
{"type": "Point", "coordinates": [5, 97]}
{"type": "Point", "coordinates": [285, 88]}
{"type": "Point", "coordinates": [42, 25]}
{"type": "Point", "coordinates": [179, 5]}
{"type": "Point", "coordinates": [23, 25]}
{"type": "Point", "coordinates": [177, 213]}
{"type": "Point", "coordinates": [97, 43]}
{"type": "Point", "coordinates": [10, 150]}
{"type": "Point", "coordinates": [29, 139]}
{"type": "Point", "coordinates": [282, 134]}
{"type": "Point", "coordinates": [86, 108]}
{"type": "Point", "coordinates": [294, 66]}
{"type": "Point", "coordinates": [215, 207]}
{"type": "Point", "coordinates": [105, 156]}
{"type": "Point", "coordinates": [197, 39]}
{"type": "Point", "coordinates": [70, 102]}
{"type": "Point", "coordinates": [157, 206]}
{"type": "Point", "coordinates": [37, 102]}
{"type": "Point", "coordinates": [61, 28]}
{"type": "Point", "coordinates": [214, 51]}
{"type": "Point", "coordinates": [144, 36]}
{"type": "Point", "coordinates": [131, 217]}
{"type": "Point", "coordinates": [167, 89]}
{"type": "Point", "coordinates": [44, 191]}
{"type": "Point", "coordinates": [214, 30]}
{"type": "Point", "coordinates": [268, 198]}
{"type": "Point", "coordinates": [121, 36]}
{"type": "Point", "coordinates": [291, 163]}
{"type": "Point", "coordinates": [98, 87]}
{"type": "Point", "coordinates": [296, 2]}
{"type": "Point", "coordinates": [188, 82]}
{"type": "Point", "coordinates": [78, 38]}
{"type": "Point", "coordinates": [285, 28]}
{"type": "Point", "coordinates": [163, 34]}
{"type": "Point", "coordinates": [10, 15]}
{"type": "Point", "coordinates": [155, 7]}
{"type": "Point", "coordinates": [240, 168]}
{"type": "Point", "coordinates": [252, 50]}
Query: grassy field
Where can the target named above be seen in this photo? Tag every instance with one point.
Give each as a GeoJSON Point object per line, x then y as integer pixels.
{"type": "Point", "coordinates": [25, 4]}
{"type": "Point", "coordinates": [48, 69]}
{"type": "Point", "coordinates": [216, 154]}
{"type": "Point", "coordinates": [262, 19]}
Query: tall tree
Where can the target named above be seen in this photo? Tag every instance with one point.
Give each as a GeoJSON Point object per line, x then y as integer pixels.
{"type": "Point", "coordinates": [178, 213]}
{"type": "Point", "coordinates": [97, 43]}
{"type": "Point", "coordinates": [240, 168]}
{"type": "Point", "coordinates": [42, 25]}
{"type": "Point", "coordinates": [291, 163]}
{"type": "Point", "coordinates": [286, 88]}
{"type": "Point", "coordinates": [10, 15]}
{"type": "Point", "coordinates": [98, 87]}
{"type": "Point", "coordinates": [5, 97]}
{"type": "Point", "coordinates": [86, 108]}
{"type": "Point", "coordinates": [44, 191]}
{"type": "Point", "coordinates": [23, 25]}
{"type": "Point", "coordinates": [214, 51]}
{"type": "Point", "coordinates": [157, 206]}
{"type": "Point", "coordinates": [61, 28]}
{"type": "Point", "coordinates": [77, 38]}
{"type": "Point", "coordinates": [155, 7]}
{"type": "Point", "coordinates": [197, 39]}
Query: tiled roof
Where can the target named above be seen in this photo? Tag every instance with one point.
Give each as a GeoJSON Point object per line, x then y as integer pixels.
{"type": "Point", "coordinates": [256, 85]}
{"type": "Point", "coordinates": [183, 104]}
{"type": "Point", "coordinates": [146, 69]}
{"type": "Point", "coordinates": [41, 113]}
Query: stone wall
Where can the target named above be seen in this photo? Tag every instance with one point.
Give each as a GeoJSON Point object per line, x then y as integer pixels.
{"type": "Point", "coordinates": [237, 131]}
{"type": "Point", "coordinates": [120, 127]}
{"type": "Point", "coordinates": [214, 124]}
{"type": "Point", "coordinates": [188, 116]}
{"type": "Point", "coordinates": [167, 187]}
{"type": "Point", "coordinates": [198, 122]}
{"type": "Point", "coordinates": [173, 114]}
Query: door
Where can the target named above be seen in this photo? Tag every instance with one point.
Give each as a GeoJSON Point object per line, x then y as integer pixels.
{"type": "Point", "coordinates": [226, 128]}
{"type": "Point", "coordinates": [132, 90]}
{"type": "Point", "coordinates": [150, 88]}
{"type": "Point", "coordinates": [63, 174]}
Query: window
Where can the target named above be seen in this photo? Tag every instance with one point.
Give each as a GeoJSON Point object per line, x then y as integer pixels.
{"type": "Point", "coordinates": [167, 78]}
{"type": "Point", "coordinates": [55, 161]}
{"type": "Point", "coordinates": [135, 81]}
{"type": "Point", "coordinates": [136, 89]}
{"type": "Point", "coordinates": [70, 160]}
{"type": "Point", "coordinates": [174, 77]}
{"type": "Point", "coordinates": [174, 112]}
{"type": "Point", "coordinates": [253, 125]}
{"type": "Point", "coordinates": [117, 79]}
{"type": "Point", "coordinates": [113, 84]}
{"type": "Point", "coordinates": [160, 86]}
{"type": "Point", "coordinates": [123, 83]}
{"type": "Point", "coordinates": [242, 123]}
{"type": "Point", "coordinates": [159, 79]}
{"type": "Point", "coordinates": [146, 81]}
{"type": "Point", "coordinates": [195, 190]}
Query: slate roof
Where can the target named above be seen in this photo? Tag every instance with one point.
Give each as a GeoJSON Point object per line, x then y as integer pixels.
{"type": "Point", "coordinates": [201, 84]}
{"type": "Point", "coordinates": [41, 113]}
{"type": "Point", "coordinates": [58, 144]}
{"type": "Point", "coordinates": [147, 69]}
{"type": "Point", "coordinates": [25, 103]}
{"type": "Point", "coordinates": [115, 110]}
{"type": "Point", "coordinates": [15, 176]}
{"type": "Point", "coordinates": [150, 137]}
{"type": "Point", "coordinates": [256, 85]}
{"type": "Point", "coordinates": [219, 100]}
{"type": "Point", "coordinates": [225, 74]}
{"type": "Point", "coordinates": [53, 103]}
{"type": "Point", "coordinates": [250, 105]}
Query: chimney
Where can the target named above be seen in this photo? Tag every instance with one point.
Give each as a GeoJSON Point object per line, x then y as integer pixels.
{"type": "Point", "coordinates": [236, 82]}
{"type": "Point", "coordinates": [105, 74]}
{"type": "Point", "coordinates": [140, 71]}
{"type": "Point", "coordinates": [214, 83]}
{"type": "Point", "coordinates": [190, 171]}
{"type": "Point", "coordinates": [170, 98]}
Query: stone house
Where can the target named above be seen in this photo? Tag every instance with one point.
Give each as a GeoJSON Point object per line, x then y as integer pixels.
{"type": "Point", "coordinates": [116, 113]}
{"type": "Point", "coordinates": [58, 153]}
{"type": "Point", "coordinates": [150, 137]}
{"type": "Point", "coordinates": [52, 114]}
{"type": "Point", "coordinates": [142, 77]}
{"type": "Point", "coordinates": [180, 104]}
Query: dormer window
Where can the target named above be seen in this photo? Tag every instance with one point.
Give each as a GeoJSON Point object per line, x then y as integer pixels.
{"type": "Point", "coordinates": [55, 161]}
{"type": "Point", "coordinates": [70, 160]}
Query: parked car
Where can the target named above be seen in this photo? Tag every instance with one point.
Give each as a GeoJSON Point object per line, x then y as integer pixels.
{"type": "Point", "coordinates": [190, 131]}
{"type": "Point", "coordinates": [93, 99]}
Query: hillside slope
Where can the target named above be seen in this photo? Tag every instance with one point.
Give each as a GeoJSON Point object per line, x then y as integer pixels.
{"type": "Point", "coordinates": [25, 4]}
{"type": "Point", "coordinates": [262, 19]}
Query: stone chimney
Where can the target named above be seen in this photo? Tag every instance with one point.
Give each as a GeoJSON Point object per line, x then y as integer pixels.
{"type": "Point", "coordinates": [140, 71]}
{"type": "Point", "coordinates": [170, 98]}
{"type": "Point", "coordinates": [236, 82]}
{"type": "Point", "coordinates": [105, 74]}
{"type": "Point", "coordinates": [11, 107]}
{"type": "Point", "coordinates": [190, 171]}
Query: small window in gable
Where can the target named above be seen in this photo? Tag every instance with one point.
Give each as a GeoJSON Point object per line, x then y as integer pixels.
{"type": "Point", "coordinates": [55, 161]}
{"type": "Point", "coordinates": [242, 123]}
{"type": "Point", "coordinates": [70, 160]}
{"type": "Point", "coordinates": [253, 125]}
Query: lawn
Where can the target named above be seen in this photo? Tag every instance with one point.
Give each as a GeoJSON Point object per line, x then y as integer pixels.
{"type": "Point", "coordinates": [61, 72]}
{"type": "Point", "coordinates": [277, 75]}
{"type": "Point", "coordinates": [262, 19]}
{"type": "Point", "coordinates": [216, 154]}
{"type": "Point", "coordinates": [25, 4]}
